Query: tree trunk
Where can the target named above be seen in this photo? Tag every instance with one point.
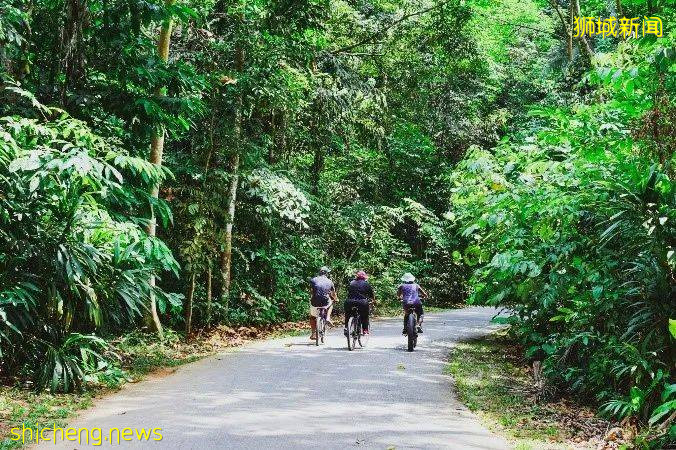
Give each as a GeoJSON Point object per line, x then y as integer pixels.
{"type": "Point", "coordinates": [209, 295]}
{"type": "Point", "coordinates": [585, 48]}
{"type": "Point", "coordinates": [210, 151]}
{"type": "Point", "coordinates": [569, 32]}
{"type": "Point", "coordinates": [226, 254]}
{"type": "Point", "coordinates": [156, 151]}
{"type": "Point", "coordinates": [72, 53]}
{"type": "Point", "coordinates": [187, 307]}
{"type": "Point", "coordinates": [584, 43]}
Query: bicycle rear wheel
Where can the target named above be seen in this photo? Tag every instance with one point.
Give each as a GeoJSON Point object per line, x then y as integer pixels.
{"type": "Point", "coordinates": [321, 336]}
{"type": "Point", "coordinates": [320, 329]}
{"type": "Point", "coordinates": [411, 331]}
{"type": "Point", "coordinates": [350, 327]}
{"type": "Point", "coordinates": [363, 338]}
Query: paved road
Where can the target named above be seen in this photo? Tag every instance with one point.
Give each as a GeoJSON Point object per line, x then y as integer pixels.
{"type": "Point", "coordinates": [286, 394]}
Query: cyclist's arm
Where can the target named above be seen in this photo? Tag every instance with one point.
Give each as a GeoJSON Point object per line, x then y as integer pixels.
{"type": "Point", "coordinates": [423, 292]}
{"type": "Point", "coordinates": [371, 293]}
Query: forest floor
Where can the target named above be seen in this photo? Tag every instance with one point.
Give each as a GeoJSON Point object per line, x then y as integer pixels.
{"type": "Point", "coordinates": [495, 382]}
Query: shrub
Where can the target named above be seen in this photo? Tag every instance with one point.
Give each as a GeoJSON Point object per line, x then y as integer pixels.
{"type": "Point", "coordinates": [73, 259]}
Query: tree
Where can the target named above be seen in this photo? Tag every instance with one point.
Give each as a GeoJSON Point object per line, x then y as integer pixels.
{"type": "Point", "coordinates": [156, 151]}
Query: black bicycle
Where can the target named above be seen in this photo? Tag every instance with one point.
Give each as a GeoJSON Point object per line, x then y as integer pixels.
{"type": "Point", "coordinates": [411, 320]}
{"type": "Point", "coordinates": [355, 332]}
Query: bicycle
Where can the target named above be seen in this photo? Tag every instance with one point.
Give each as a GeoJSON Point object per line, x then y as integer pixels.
{"type": "Point", "coordinates": [355, 332]}
{"type": "Point", "coordinates": [321, 323]}
{"type": "Point", "coordinates": [411, 327]}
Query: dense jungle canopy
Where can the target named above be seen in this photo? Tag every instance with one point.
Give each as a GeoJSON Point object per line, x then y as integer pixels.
{"type": "Point", "coordinates": [190, 163]}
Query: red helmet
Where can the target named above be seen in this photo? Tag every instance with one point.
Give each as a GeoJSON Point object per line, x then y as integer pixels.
{"type": "Point", "coordinates": [361, 275]}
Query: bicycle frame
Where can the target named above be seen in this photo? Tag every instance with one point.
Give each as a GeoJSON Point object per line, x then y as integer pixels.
{"type": "Point", "coordinates": [322, 318]}
{"type": "Point", "coordinates": [322, 311]}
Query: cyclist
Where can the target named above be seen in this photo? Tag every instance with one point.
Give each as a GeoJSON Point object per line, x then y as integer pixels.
{"type": "Point", "coordinates": [359, 293]}
{"type": "Point", "coordinates": [410, 294]}
{"type": "Point", "coordinates": [322, 294]}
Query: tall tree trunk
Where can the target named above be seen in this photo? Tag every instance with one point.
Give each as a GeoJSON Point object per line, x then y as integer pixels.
{"type": "Point", "coordinates": [156, 151]}
{"type": "Point", "coordinates": [226, 254]}
{"type": "Point", "coordinates": [209, 294]}
{"type": "Point", "coordinates": [207, 166]}
{"type": "Point", "coordinates": [72, 51]}
{"type": "Point", "coordinates": [569, 32]}
{"type": "Point", "coordinates": [585, 47]}
{"type": "Point", "coordinates": [187, 306]}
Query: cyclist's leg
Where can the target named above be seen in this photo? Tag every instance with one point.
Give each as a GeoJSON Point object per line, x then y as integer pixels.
{"type": "Point", "coordinates": [405, 317]}
{"type": "Point", "coordinates": [347, 306]}
{"type": "Point", "coordinates": [419, 311]}
{"type": "Point", "coordinates": [313, 321]}
{"type": "Point", "coordinates": [329, 311]}
{"type": "Point", "coordinates": [364, 313]}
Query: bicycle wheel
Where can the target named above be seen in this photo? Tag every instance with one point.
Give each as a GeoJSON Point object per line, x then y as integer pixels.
{"type": "Point", "coordinates": [411, 331]}
{"type": "Point", "coordinates": [350, 327]}
{"type": "Point", "coordinates": [321, 336]}
{"type": "Point", "coordinates": [320, 329]}
{"type": "Point", "coordinates": [360, 335]}
{"type": "Point", "coordinates": [355, 331]}
{"type": "Point", "coordinates": [363, 338]}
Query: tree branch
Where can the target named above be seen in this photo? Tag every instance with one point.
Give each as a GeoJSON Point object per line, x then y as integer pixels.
{"type": "Point", "coordinates": [379, 33]}
{"type": "Point", "coordinates": [584, 44]}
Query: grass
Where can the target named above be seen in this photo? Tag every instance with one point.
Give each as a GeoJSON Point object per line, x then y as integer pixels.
{"type": "Point", "coordinates": [497, 386]}
{"type": "Point", "coordinates": [140, 355]}
{"type": "Point", "coordinates": [19, 408]}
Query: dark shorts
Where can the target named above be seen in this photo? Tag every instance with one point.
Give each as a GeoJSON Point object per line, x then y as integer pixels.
{"type": "Point", "coordinates": [417, 307]}
{"type": "Point", "coordinates": [362, 306]}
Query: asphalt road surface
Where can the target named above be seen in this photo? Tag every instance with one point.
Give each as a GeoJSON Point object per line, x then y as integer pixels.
{"type": "Point", "coordinates": [288, 394]}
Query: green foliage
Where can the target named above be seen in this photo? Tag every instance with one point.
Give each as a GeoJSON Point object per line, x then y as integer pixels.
{"type": "Point", "coordinates": [569, 222]}
{"type": "Point", "coordinates": [63, 368]}
{"type": "Point", "coordinates": [72, 259]}
{"type": "Point", "coordinates": [444, 138]}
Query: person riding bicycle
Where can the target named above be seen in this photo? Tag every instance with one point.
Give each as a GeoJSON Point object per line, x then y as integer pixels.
{"type": "Point", "coordinates": [410, 294]}
{"type": "Point", "coordinates": [359, 293]}
{"type": "Point", "coordinates": [322, 294]}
